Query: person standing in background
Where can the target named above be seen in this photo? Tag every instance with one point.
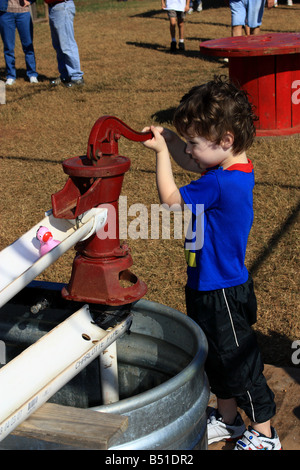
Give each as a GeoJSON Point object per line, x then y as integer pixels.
{"type": "Point", "coordinates": [247, 14]}
{"type": "Point", "coordinates": [61, 22]}
{"type": "Point", "coordinates": [15, 14]}
{"type": "Point", "coordinates": [176, 10]}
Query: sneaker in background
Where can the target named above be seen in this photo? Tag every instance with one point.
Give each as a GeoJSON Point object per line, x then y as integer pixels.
{"type": "Point", "coordinates": [75, 83]}
{"type": "Point", "coordinates": [10, 81]}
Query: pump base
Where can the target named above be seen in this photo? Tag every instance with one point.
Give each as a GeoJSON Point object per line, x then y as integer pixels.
{"type": "Point", "coordinates": [104, 281]}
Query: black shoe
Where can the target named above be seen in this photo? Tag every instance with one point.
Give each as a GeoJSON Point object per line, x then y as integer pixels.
{"type": "Point", "coordinates": [72, 83]}
{"type": "Point", "coordinates": [181, 46]}
{"type": "Point", "coordinates": [173, 46]}
{"type": "Point", "coordinates": [58, 81]}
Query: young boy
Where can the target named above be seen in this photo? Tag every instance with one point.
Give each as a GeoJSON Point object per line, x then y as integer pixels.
{"type": "Point", "coordinates": [176, 11]}
{"type": "Point", "coordinates": [216, 121]}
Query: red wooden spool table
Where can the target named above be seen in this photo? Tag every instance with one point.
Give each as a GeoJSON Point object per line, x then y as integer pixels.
{"type": "Point", "coordinates": [267, 66]}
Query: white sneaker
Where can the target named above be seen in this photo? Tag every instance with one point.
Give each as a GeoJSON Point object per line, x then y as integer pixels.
{"type": "Point", "coordinates": [253, 440]}
{"type": "Point", "coordinates": [190, 11]}
{"type": "Point", "coordinates": [200, 8]}
{"type": "Point", "coordinates": [10, 81]}
{"type": "Point", "coordinates": [289, 3]}
{"type": "Point", "coordinates": [217, 430]}
{"type": "Point", "coordinates": [33, 80]}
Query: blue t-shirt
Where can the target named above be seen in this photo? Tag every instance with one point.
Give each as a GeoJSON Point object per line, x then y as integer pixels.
{"type": "Point", "coordinates": [221, 202]}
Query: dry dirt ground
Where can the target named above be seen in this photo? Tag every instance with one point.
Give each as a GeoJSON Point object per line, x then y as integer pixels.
{"type": "Point", "coordinates": [129, 73]}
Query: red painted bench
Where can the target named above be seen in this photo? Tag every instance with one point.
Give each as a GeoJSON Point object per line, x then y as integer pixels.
{"type": "Point", "coordinates": [267, 66]}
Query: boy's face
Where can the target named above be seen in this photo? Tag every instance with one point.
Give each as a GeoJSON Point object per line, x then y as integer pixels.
{"type": "Point", "coordinates": [206, 154]}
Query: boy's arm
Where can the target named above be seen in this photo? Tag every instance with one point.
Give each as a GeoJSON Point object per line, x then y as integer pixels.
{"type": "Point", "coordinates": [168, 192]}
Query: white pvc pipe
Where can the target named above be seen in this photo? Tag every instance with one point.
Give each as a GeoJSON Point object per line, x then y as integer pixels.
{"type": "Point", "coordinates": [43, 368]}
{"type": "Point", "coordinates": [109, 374]}
{"type": "Point", "coordinates": [21, 262]}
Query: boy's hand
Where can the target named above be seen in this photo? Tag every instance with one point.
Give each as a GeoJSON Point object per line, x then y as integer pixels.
{"type": "Point", "coordinates": [157, 143]}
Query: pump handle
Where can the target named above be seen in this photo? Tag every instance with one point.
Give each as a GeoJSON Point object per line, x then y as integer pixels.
{"type": "Point", "coordinates": [104, 136]}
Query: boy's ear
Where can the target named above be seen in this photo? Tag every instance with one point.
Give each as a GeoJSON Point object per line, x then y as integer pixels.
{"type": "Point", "coordinates": [227, 140]}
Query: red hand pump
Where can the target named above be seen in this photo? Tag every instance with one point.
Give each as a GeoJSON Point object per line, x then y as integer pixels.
{"type": "Point", "coordinates": [100, 272]}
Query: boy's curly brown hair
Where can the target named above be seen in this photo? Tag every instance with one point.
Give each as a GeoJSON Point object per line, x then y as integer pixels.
{"type": "Point", "coordinates": [214, 108]}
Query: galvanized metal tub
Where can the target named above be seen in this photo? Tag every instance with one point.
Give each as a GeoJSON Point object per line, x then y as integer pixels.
{"type": "Point", "coordinates": [164, 355]}
{"type": "Point", "coordinates": [162, 385]}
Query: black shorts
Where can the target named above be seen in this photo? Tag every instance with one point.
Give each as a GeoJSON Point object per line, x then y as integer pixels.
{"type": "Point", "coordinates": [234, 366]}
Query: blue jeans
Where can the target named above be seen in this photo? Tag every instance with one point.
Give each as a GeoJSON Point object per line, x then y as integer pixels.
{"type": "Point", "coordinates": [194, 3]}
{"type": "Point", "coordinates": [247, 12]}
{"type": "Point", "coordinates": [61, 19]}
{"type": "Point", "coordinates": [9, 22]}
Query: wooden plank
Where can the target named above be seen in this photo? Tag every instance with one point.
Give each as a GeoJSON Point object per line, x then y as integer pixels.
{"type": "Point", "coordinates": [71, 426]}
{"type": "Point", "coordinates": [2, 92]}
{"type": "Point", "coordinates": [244, 72]}
{"type": "Point", "coordinates": [266, 93]}
{"type": "Point", "coordinates": [283, 91]}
